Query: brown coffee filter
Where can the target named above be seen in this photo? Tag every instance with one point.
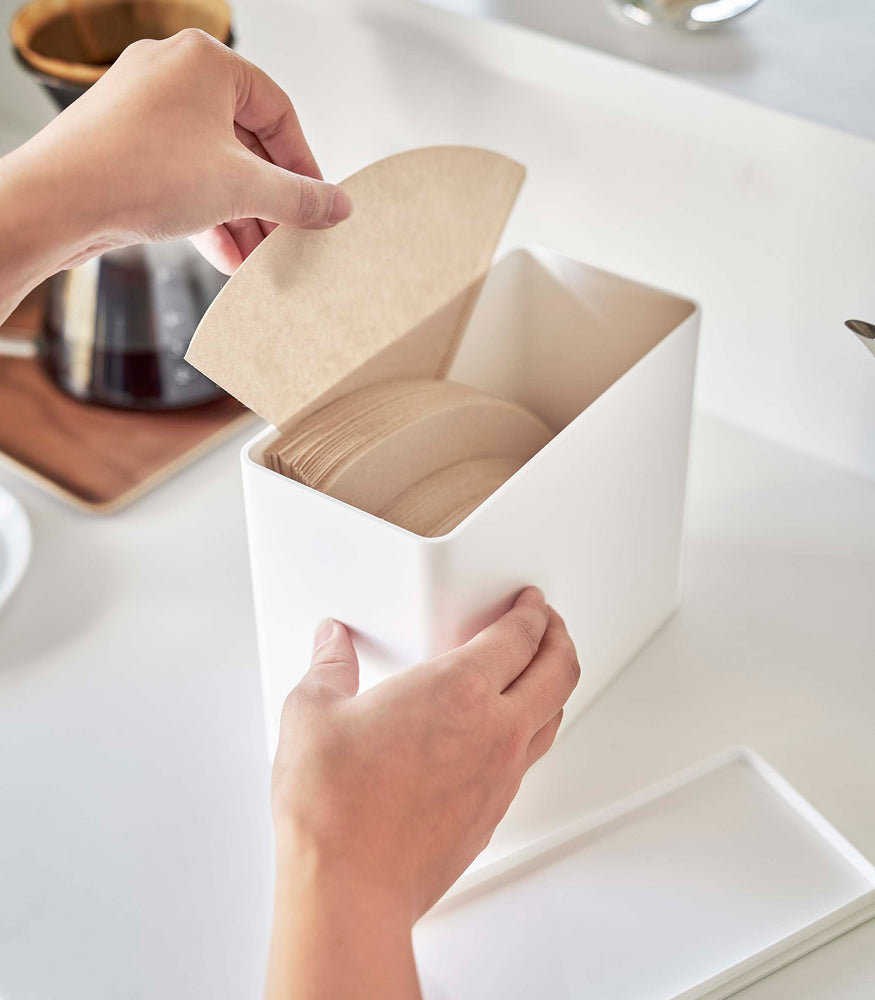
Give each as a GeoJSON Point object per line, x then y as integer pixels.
{"type": "Point", "coordinates": [369, 447]}
{"type": "Point", "coordinates": [312, 315]}
{"type": "Point", "coordinates": [342, 338]}
{"type": "Point", "coordinates": [439, 502]}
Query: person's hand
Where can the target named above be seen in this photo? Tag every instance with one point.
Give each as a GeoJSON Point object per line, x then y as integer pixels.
{"type": "Point", "coordinates": [184, 136]}
{"type": "Point", "coordinates": [382, 799]}
{"type": "Point", "coordinates": [179, 137]}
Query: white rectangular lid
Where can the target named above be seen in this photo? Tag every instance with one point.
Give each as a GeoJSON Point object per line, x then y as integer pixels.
{"type": "Point", "coordinates": [686, 891]}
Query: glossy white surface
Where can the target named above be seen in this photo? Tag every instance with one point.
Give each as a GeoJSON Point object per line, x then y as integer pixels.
{"type": "Point", "coordinates": [686, 891]}
{"type": "Point", "coordinates": [764, 219]}
{"type": "Point", "coordinates": [15, 544]}
{"type": "Point", "coordinates": [811, 58]}
{"type": "Point", "coordinates": [595, 518]}
{"type": "Point", "coordinates": [135, 843]}
{"type": "Point", "coordinates": [134, 847]}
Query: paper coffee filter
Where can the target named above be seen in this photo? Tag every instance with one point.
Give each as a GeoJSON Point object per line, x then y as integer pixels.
{"type": "Point", "coordinates": [398, 403]}
{"type": "Point", "coordinates": [312, 315]}
{"type": "Point", "coordinates": [406, 432]}
{"type": "Point", "coordinates": [437, 503]}
{"type": "Point", "coordinates": [473, 426]}
{"type": "Point", "coordinates": [311, 448]}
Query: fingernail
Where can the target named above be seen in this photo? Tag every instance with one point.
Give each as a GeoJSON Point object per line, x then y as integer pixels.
{"type": "Point", "coordinates": [324, 631]}
{"type": "Point", "coordinates": [535, 592]}
{"type": "Point", "coordinates": [341, 207]}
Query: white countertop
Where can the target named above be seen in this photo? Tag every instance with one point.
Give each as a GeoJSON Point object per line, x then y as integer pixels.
{"type": "Point", "coordinates": [134, 852]}
{"type": "Point", "coordinates": [765, 219]}
{"type": "Point", "coordinates": [134, 847]}
{"type": "Point", "coordinates": [812, 58]}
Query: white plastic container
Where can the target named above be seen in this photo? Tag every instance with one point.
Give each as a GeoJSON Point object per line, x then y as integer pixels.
{"type": "Point", "coordinates": [595, 518]}
{"type": "Point", "coordinates": [692, 889]}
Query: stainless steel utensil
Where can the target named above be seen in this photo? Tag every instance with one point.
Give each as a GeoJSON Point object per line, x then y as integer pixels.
{"type": "Point", "coordinates": [689, 14]}
{"type": "Point", "coordinates": [865, 332]}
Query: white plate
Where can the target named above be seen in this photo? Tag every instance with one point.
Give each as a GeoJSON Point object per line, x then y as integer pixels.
{"type": "Point", "coordinates": [691, 889]}
{"type": "Point", "coordinates": [15, 542]}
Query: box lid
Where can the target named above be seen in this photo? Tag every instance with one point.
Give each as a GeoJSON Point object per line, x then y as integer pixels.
{"type": "Point", "coordinates": [691, 889]}
{"type": "Point", "coordinates": [314, 314]}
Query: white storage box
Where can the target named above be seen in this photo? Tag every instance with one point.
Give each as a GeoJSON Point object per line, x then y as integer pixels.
{"type": "Point", "coordinates": [595, 518]}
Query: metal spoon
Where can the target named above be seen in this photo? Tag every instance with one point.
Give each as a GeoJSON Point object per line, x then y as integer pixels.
{"type": "Point", "coordinates": [865, 332]}
{"type": "Point", "coordinates": [692, 14]}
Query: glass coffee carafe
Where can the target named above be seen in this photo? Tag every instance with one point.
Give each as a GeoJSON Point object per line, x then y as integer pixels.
{"type": "Point", "coordinates": [116, 329]}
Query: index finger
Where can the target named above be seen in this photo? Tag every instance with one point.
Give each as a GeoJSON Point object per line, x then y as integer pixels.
{"type": "Point", "coordinates": [546, 684]}
{"type": "Point", "coordinates": [506, 647]}
{"type": "Point", "coordinates": [264, 109]}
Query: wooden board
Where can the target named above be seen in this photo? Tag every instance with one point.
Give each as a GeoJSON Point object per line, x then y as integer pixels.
{"type": "Point", "coordinates": [96, 458]}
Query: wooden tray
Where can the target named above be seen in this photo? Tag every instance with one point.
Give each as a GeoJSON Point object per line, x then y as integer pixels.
{"type": "Point", "coordinates": [93, 457]}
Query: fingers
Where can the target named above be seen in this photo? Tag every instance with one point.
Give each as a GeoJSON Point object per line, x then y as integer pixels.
{"type": "Point", "coordinates": [334, 664]}
{"type": "Point", "coordinates": [253, 144]}
{"type": "Point", "coordinates": [264, 109]}
{"type": "Point", "coordinates": [544, 686]}
{"type": "Point", "coordinates": [226, 246]}
{"type": "Point", "coordinates": [217, 245]}
{"type": "Point", "coordinates": [277, 195]}
{"type": "Point", "coordinates": [284, 198]}
{"type": "Point", "coordinates": [250, 141]}
{"type": "Point", "coordinates": [266, 124]}
{"type": "Point", "coordinates": [504, 649]}
{"type": "Point", "coordinates": [246, 233]}
{"type": "Point", "coordinates": [543, 739]}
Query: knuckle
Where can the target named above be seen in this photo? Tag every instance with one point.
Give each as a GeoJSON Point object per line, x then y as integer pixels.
{"type": "Point", "coordinates": [571, 663]}
{"type": "Point", "coordinates": [195, 38]}
{"type": "Point", "coordinates": [469, 690]}
{"type": "Point", "coordinates": [527, 633]}
{"type": "Point", "coordinates": [140, 47]}
{"type": "Point", "coordinates": [309, 696]}
{"type": "Point", "coordinates": [282, 123]}
{"type": "Point", "coordinates": [330, 658]}
{"type": "Point", "coordinates": [308, 200]}
{"type": "Point", "coordinates": [317, 692]}
{"type": "Point", "coordinates": [512, 742]}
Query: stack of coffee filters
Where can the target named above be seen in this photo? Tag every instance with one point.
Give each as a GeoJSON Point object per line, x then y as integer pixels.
{"type": "Point", "coordinates": [421, 453]}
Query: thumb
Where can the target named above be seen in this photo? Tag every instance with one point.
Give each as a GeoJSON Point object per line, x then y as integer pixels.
{"type": "Point", "coordinates": [278, 195]}
{"type": "Point", "coordinates": [334, 663]}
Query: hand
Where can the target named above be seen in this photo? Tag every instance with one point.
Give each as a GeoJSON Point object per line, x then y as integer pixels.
{"type": "Point", "coordinates": [381, 800]}
{"type": "Point", "coordinates": [178, 137]}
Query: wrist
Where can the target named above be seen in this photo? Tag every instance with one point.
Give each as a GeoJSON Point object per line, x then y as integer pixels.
{"type": "Point", "coordinates": [336, 933]}
{"type": "Point", "coordinates": [47, 221]}
{"type": "Point", "coordinates": [343, 879]}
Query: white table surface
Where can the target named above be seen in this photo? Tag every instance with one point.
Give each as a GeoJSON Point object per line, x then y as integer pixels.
{"type": "Point", "coordinates": [812, 58]}
{"type": "Point", "coordinates": [134, 847]}
{"type": "Point", "coordinates": [134, 842]}
{"type": "Point", "coordinates": [765, 219]}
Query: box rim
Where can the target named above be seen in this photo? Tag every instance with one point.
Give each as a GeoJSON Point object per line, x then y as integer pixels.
{"type": "Point", "coordinates": [532, 250]}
